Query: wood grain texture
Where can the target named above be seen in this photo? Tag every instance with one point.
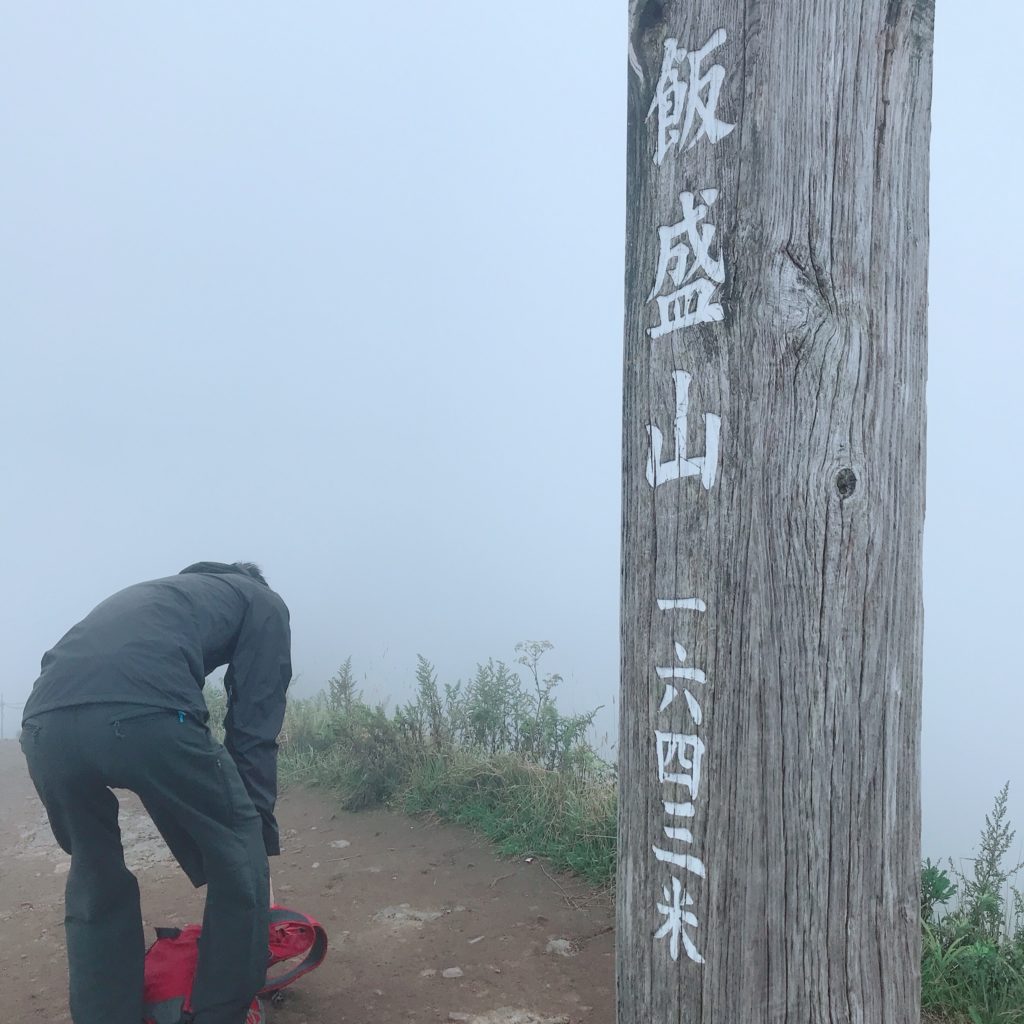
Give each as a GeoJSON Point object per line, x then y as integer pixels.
{"type": "Point", "coordinates": [807, 548]}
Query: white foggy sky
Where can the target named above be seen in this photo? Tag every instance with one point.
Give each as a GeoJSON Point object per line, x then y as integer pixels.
{"type": "Point", "coordinates": [340, 290]}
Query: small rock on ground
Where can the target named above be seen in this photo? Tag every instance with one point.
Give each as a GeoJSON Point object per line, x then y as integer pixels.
{"type": "Point", "coordinates": [510, 1015]}
{"type": "Point", "coordinates": [561, 947]}
{"type": "Point", "coordinates": [404, 914]}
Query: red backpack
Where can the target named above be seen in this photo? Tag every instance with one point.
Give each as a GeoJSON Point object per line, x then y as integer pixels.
{"type": "Point", "coordinates": [171, 964]}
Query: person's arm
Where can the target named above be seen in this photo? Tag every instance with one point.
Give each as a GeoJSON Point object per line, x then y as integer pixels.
{"type": "Point", "coordinates": [256, 682]}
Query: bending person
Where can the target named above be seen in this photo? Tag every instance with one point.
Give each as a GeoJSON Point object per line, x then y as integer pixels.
{"type": "Point", "coordinates": [119, 705]}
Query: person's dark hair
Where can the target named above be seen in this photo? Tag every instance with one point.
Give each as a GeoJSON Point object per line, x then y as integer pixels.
{"type": "Point", "coordinates": [253, 570]}
{"type": "Point", "coordinates": [250, 569]}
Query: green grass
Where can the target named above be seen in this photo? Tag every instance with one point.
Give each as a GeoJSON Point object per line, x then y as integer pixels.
{"type": "Point", "coordinates": [523, 808]}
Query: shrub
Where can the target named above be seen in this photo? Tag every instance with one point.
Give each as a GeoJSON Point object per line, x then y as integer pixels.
{"type": "Point", "coordinates": [973, 955]}
{"type": "Point", "coordinates": [489, 753]}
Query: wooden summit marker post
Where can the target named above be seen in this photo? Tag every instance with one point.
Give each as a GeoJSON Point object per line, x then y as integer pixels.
{"type": "Point", "coordinates": [775, 350]}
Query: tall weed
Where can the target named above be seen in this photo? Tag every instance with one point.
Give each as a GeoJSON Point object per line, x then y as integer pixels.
{"type": "Point", "coordinates": [972, 967]}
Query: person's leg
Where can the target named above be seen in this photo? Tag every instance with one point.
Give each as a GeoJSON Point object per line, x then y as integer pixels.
{"type": "Point", "coordinates": [103, 921]}
{"type": "Point", "coordinates": [193, 791]}
{"type": "Point", "coordinates": [234, 945]}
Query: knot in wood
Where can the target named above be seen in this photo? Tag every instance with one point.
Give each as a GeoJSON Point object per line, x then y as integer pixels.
{"type": "Point", "coordinates": [846, 482]}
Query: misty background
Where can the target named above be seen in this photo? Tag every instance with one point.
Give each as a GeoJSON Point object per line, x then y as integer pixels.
{"type": "Point", "coordinates": [338, 288]}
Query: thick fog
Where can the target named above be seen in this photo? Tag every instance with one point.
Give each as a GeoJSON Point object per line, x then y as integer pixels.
{"type": "Point", "coordinates": [338, 288]}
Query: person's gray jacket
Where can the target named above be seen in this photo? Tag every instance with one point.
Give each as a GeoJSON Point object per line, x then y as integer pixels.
{"type": "Point", "coordinates": [154, 643]}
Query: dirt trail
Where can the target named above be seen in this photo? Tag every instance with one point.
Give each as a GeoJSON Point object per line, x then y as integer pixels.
{"type": "Point", "coordinates": [403, 901]}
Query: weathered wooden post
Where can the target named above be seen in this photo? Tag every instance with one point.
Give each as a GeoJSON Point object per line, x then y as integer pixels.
{"type": "Point", "coordinates": [775, 348]}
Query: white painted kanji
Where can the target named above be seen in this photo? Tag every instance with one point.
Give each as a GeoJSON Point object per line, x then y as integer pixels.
{"type": "Point", "coordinates": [687, 752]}
{"type": "Point", "coordinates": [684, 861]}
{"type": "Point", "coordinates": [677, 919]}
{"type": "Point", "coordinates": [679, 833]}
{"type": "Point", "coordinates": [703, 466]}
{"type": "Point", "coordinates": [687, 291]}
{"type": "Point", "coordinates": [689, 604]}
{"type": "Point", "coordinates": [686, 97]}
{"type": "Point", "coordinates": [688, 276]}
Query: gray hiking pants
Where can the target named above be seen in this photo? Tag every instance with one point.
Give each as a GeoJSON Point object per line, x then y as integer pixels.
{"type": "Point", "coordinates": [192, 790]}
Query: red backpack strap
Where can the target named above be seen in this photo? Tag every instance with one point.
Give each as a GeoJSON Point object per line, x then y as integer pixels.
{"type": "Point", "coordinates": [291, 933]}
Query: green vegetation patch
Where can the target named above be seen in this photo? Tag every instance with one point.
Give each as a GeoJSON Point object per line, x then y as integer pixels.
{"type": "Point", "coordinates": [972, 965]}
{"type": "Point", "coordinates": [493, 753]}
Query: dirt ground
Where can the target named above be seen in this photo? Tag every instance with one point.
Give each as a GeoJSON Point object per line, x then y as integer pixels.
{"type": "Point", "coordinates": [403, 900]}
